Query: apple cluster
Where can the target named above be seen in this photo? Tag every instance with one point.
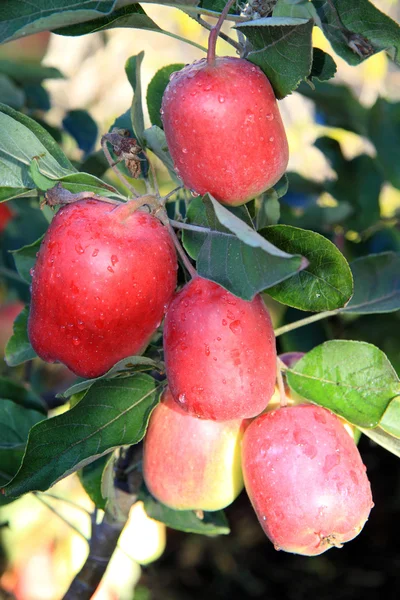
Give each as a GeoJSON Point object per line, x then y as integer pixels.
{"type": "Point", "coordinates": [106, 276]}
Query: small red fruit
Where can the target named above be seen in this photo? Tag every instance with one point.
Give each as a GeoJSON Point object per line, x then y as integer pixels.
{"type": "Point", "coordinates": [224, 130]}
{"type": "Point", "coordinates": [219, 352]}
{"type": "Point", "coordinates": [190, 463]}
{"type": "Point", "coordinates": [5, 216]}
{"type": "Point", "coordinates": [101, 284]}
{"type": "Point", "coordinates": [305, 479]}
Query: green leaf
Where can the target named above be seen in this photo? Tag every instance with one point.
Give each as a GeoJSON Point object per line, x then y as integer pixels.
{"type": "Point", "coordinates": [22, 139]}
{"type": "Point", "coordinates": [90, 477]}
{"type": "Point", "coordinates": [353, 379]}
{"type": "Point", "coordinates": [356, 29]}
{"type": "Point", "coordinates": [22, 395]}
{"type": "Point", "coordinates": [323, 66]}
{"type": "Point", "coordinates": [25, 259]}
{"type": "Point", "coordinates": [366, 183]}
{"type": "Point", "coordinates": [123, 368]}
{"type": "Point", "coordinates": [155, 91]}
{"type": "Point", "coordinates": [37, 97]}
{"type": "Point", "coordinates": [132, 70]}
{"type": "Point", "coordinates": [387, 441]}
{"type": "Point", "coordinates": [213, 523]}
{"type": "Point", "coordinates": [25, 18]}
{"type": "Point", "coordinates": [154, 139]}
{"type": "Point", "coordinates": [19, 349]}
{"type": "Point", "coordinates": [28, 72]}
{"type": "Point", "coordinates": [221, 256]}
{"type": "Point", "coordinates": [337, 105]}
{"type": "Point", "coordinates": [10, 93]}
{"type": "Point", "coordinates": [325, 284]}
{"type": "Point", "coordinates": [15, 423]}
{"type": "Point", "coordinates": [82, 127]}
{"type": "Point", "coordinates": [128, 16]}
{"type": "Point", "coordinates": [282, 48]}
{"type": "Point", "coordinates": [112, 414]}
{"type": "Point", "coordinates": [391, 419]}
{"type": "Point", "coordinates": [376, 284]}
{"type": "Point", "coordinates": [384, 132]}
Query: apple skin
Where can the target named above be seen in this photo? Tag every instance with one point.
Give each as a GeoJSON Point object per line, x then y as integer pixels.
{"type": "Point", "coordinates": [101, 284]}
{"type": "Point", "coordinates": [219, 352]}
{"type": "Point", "coordinates": [305, 479]}
{"type": "Point", "coordinates": [191, 463]}
{"type": "Point", "coordinates": [224, 130]}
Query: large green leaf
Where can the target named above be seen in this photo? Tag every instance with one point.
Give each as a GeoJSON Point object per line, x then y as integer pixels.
{"type": "Point", "coordinates": [15, 424]}
{"type": "Point", "coordinates": [356, 29]}
{"type": "Point", "coordinates": [376, 284]}
{"type": "Point", "coordinates": [155, 91]}
{"type": "Point", "coordinates": [282, 47]}
{"type": "Point", "coordinates": [19, 349]}
{"type": "Point", "coordinates": [211, 523]}
{"type": "Point", "coordinates": [90, 477]}
{"type": "Point", "coordinates": [123, 368]}
{"type": "Point", "coordinates": [353, 379]}
{"type": "Point", "coordinates": [237, 258]}
{"type": "Point", "coordinates": [25, 259]}
{"type": "Point", "coordinates": [28, 72]}
{"type": "Point", "coordinates": [325, 284]}
{"type": "Point", "coordinates": [113, 413]}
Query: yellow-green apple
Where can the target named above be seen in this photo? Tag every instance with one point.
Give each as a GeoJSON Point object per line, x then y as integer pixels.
{"type": "Point", "coordinates": [191, 463]}
{"type": "Point", "coordinates": [305, 478]}
{"type": "Point", "coordinates": [219, 352]}
{"type": "Point", "coordinates": [101, 284]}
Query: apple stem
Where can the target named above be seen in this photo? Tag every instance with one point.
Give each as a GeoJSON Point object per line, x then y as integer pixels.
{"type": "Point", "coordinates": [185, 259]}
{"type": "Point", "coordinates": [165, 198]}
{"type": "Point", "coordinates": [126, 209]}
{"type": "Point", "coordinates": [222, 35]}
{"type": "Point", "coordinates": [214, 33]}
{"type": "Point", "coordinates": [117, 171]}
{"type": "Point", "coordinates": [281, 383]}
{"type": "Point", "coordinates": [307, 321]}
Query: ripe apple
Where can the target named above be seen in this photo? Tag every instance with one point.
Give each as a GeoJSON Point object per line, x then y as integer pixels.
{"type": "Point", "coordinates": [219, 352]}
{"type": "Point", "coordinates": [191, 463]}
{"type": "Point", "coordinates": [101, 284]}
{"type": "Point", "coordinates": [224, 130]}
{"type": "Point", "coordinates": [305, 479]}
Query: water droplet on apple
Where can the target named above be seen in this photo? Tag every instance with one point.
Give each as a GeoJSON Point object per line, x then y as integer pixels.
{"type": "Point", "coordinates": [194, 194]}
{"type": "Point", "coordinates": [31, 272]}
{"type": "Point", "coordinates": [76, 341]}
{"type": "Point", "coordinates": [182, 400]}
{"type": "Point", "coordinates": [95, 252]}
{"type": "Point", "coordinates": [224, 322]}
{"type": "Point", "coordinates": [207, 349]}
{"type": "Point", "coordinates": [80, 325]}
{"type": "Point", "coordinates": [184, 150]}
{"type": "Point", "coordinates": [161, 111]}
{"type": "Point", "coordinates": [79, 248]}
{"type": "Point", "coordinates": [110, 269]}
{"type": "Point", "coordinates": [221, 99]}
{"type": "Point", "coordinates": [114, 259]}
{"type": "Point", "coordinates": [269, 117]}
{"type": "Point", "coordinates": [235, 326]}
{"type": "Point", "coordinates": [271, 139]}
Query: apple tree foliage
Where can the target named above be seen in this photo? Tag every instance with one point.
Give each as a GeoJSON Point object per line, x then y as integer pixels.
{"type": "Point", "coordinates": [344, 289]}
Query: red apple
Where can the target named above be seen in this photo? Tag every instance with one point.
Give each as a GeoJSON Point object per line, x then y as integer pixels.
{"type": "Point", "coordinates": [101, 284]}
{"type": "Point", "coordinates": [190, 463]}
{"type": "Point", "coordinates": [219, 352]}
{"type": "Point", "coordinates": [224, 130]}
{"type": "Point", "coordinates": [5, 215]}
{"type": "Point", "coordinates": [305, 479]}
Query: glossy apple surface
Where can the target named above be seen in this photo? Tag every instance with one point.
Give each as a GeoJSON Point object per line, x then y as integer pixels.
{"type": "Point", "coordinates": [305, 479]}
{"type": "Point", "coordinates": [191, 463]}
{"type": "Point", "coordinates": [100, 287]}
{"type": "Point", "coordinates": [219, 352]}
{"type": "Point", "coordinates": [224, 130]}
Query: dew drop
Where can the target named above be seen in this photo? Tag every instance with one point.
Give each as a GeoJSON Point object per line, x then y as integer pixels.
{"type": "Point", "coordinates": [184, 150]}
{"type": "Point", "coordinates": [79, 249]}
{"type": "Point", "coordinates": [206, 349]}
{"type": "Point", "coordinates": [221, 99]}
{"type": "Point", "coordinates": [194, 194]}
{"type": "Point", "coordinates": [76, 341]}
{"type": "Point", "coordinates": [95, 252]}
{"type": "Point", "coordinates": [31, 272]}
{"type": "Point", "coordinates": [235, 326]}
{"type": "Point", "coordinates": [224, 322]}
{"type": "Point", "coordinates": [161, 111]}
{"type": "Point", "coordinates": [110, 269]}
{"type": "Point", "coordinates": [182, 399]}
{"type": "Point", "coordinates": [269, 117]}
{"type": "Point", "coordinates": [80, 325]}
{"type": "Point", "coordinates": [271, 139]}
{"type": "Point", "coordinates": [114, 259]}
